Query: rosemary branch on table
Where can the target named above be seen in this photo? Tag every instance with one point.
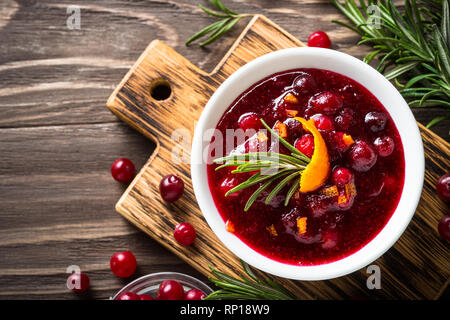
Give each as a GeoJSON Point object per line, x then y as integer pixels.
{"type": "Point", "coordinates": [269, 167]}
{"type": "Point", "coordinates": [228, 19]}
{"type": "Point", "coordinates": [249, 287]}
{"type": "Point", "coordinates": [412, 46]}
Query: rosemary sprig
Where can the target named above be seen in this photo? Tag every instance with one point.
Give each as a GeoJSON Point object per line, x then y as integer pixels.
{"type": "Point", "coordinates": [269, 167]}
{"type": "Point", "coordinates": [250, 287]}
{"type": "Point", "coordinates": [412, 46]}
{"type": "Point", "coordinates": [228, 19]}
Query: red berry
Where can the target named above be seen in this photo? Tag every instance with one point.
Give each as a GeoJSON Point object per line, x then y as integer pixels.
{"type": "Point", "coordinates": [341, 176]}
{"type": "Point", "coordinates": [78, 282]}
{"type": "Point", "coordinates": [362, 157]}
{"type": "Point", "coordinates": [171, 188]}
{"type": "Point", "coordinates": [123, 264]}
{"type": "Point", "coordinates": [194, 294]}
{"type": "Point", "coordinates": [123, 170]}
{"type": "Point", "coordinates": [376, 121]}
{"type": "Point", "coordinates": [444, 227]}
{"type": "Point", "coordinates": [129, 296]}
{"type": "Point", "coordinates": [249, 121]}
{"type": "Point", "coordinates": [305, 145]}
{"type": "Point", "coordinates": [304, 84]}
{"type": "Point", "coordinates": [145, 297]}
{"type": "Point", "coordinates": [384, 146]}
{"type": "Point", "coordinates": [184, 234]}
{"type": "Point", "coordinates": [443, 187]}
{"type": "Point", "coordinates": [319, 39]}
{"type": "Point", "coordinates": [326, 102]}
{"type": "Point", "coordinates": [329, 239]}
{"type": "Point", "coordinates": [344, 119]}
{"type": "Point", "coordinates": [322, 122]}
{"type": "Point", "coordinates": [228, 184]}
{"type": "Point", "coordinates": [170, 290]}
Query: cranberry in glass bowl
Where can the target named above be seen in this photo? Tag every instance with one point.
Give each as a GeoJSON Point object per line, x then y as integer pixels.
{"type": "Point", "coordinates": [150, 284]}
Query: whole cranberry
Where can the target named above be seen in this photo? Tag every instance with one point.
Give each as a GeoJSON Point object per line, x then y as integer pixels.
{"type": "Point", "coordinates": [78, 282]}
{"type": "Point", "coordinates": [249, 121]}
{"type": "Point", "coordinates": [344, 119]}
{"type": "Point", "coordinates": [123, 170]}
{"type": "Point", "coordinates": [362, 157]}
{"type": "Point", "coordinates": [329, 239]}
{"type": "Point", "coordinates": [170, 290]}
{"type": "Point", "coordinates": [129, 296]}
{"type": "Point", "coordinates": [194, 294]}
{"type": "Point", "coordinates": [444, 227]}
{"type": "Point", "coordinates": [326, 102]}
{"type": "Point", "coordinates": [384, 146]}
{"type": "Point", "coordinates": [146, 297]}
{"type": "Point", "coordinates": [227, 184]}
{"type": "Point", "coordinates": [341, 176]}
{"type": "Point", "coordinates": [304, 84]}
{"type": "Point", "coordinates": [123, 264]}
{"type": "Point", "coordinates": [322, 122]}
{"type": "Point", "coordinates": [294, 128]}
{"type": "Point", "coordinates": [171, 188]}
{"type": "Point", "coordinates": [376, 121]}
{"type": "Point", "coordinates": [184, 234]}
{"type": "Point", "coordinates": [319, 39]}
{"type": "Point", "coordinates": [305, 145]}
{"type": "Point", "coordinates": [443, 187]}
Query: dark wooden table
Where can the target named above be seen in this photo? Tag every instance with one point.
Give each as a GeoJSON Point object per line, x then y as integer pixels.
{"type": "Point", "coordinates": [58, 140]}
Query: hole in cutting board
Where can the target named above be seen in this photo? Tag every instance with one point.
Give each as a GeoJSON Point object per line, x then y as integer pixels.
{"type": "Point", "coordinates": [160, 89]}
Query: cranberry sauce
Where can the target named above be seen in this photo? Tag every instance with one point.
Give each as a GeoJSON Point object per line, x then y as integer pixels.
{"type": "Point", "coordinates": [366, 157]}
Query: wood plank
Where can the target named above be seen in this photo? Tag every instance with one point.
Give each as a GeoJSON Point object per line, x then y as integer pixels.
{"type": "Point", "coordinates": [55, 80]}
{"type": "Point", "coordinates": [418, 255]}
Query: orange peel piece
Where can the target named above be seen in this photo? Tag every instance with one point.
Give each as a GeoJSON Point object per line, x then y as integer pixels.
{"type": "Point", "coordinates": [301, 225]}
{"type": "Point", "coordinates": [272, 230]}
{"type": "Point", "coordinates": [317, 171]}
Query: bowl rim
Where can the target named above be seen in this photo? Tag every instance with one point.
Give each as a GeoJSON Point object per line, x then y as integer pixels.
{"type": "Point", "coordinates": [373, 81]}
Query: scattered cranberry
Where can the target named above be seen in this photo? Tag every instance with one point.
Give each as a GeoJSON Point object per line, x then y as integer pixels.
{"type": "Point", "coordinates": [326, 102]}
{"type": "Point", "coordinates": [184, 234]}
{"type": "Point", "coordinates": [384, 146]}
{"type": "Point", "coordinates": [78, 282]}
{"type": "Point", "coordinates": [444, 227]}
{"type": "Point", "coordinates": [170, 290]}
{"type": "Point", "coordinates": [344, 119]}
{"type": "Point", "coordinates": [123, 264]}
{"type": "Point", "coordinates": [341, 176]}
{"type": "Point", "coordinates": [443, 187]}
{"type": "Point", "coordinates": [362, 157]}
{"type": "Point", "coordinates": [305, 145]}
{"type": "Point", "coordinates": [249, 121]}
{"type": "Point", "coordinates": [319, 39]}
{"type": "Point", "coordinates": [304, 84]}
{"type": "Point", "coordinates": [129, 296]}
{"type": "Point", "coordinates": [376, 121]}
{"type": "Point", "coordinates": [322, 122]}
{"type": "Point", "coordinates": [194, 294]}
{"type": "Point", "coordinates": [123, 170]}
{"type": "Point", "coordinates": [145, 297]}
{"type": "Point", "coordinates": [171, 188]}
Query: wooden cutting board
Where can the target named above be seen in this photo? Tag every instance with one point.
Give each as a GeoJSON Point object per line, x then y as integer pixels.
{"type": "Point", "coordinates": [417, 267]}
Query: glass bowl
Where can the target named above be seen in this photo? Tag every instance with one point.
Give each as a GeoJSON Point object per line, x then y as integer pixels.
{"type": "Point", "coordinates": [149, 284]}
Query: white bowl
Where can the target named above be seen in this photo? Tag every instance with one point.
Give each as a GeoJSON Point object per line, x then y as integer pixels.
{"type": "Point", "coordinates": [381, 88]}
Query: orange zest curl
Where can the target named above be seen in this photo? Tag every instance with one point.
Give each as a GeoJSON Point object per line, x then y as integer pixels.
{"type": "Point", "coordinates": [317, 171]}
